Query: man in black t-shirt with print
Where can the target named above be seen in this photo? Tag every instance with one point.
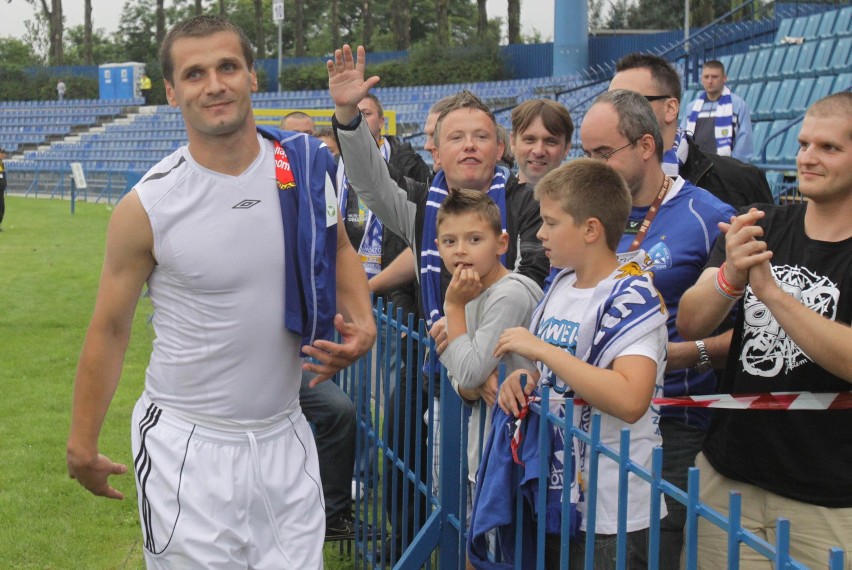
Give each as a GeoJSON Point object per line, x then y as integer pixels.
{"type": "Point", "coordinates": [789, 270]}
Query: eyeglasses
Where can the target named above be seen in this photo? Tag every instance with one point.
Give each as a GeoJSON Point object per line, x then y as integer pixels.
{"type": "Point", "coordinates": [605, 156]}
{"type": "Point", "coordinates": [652, 98]}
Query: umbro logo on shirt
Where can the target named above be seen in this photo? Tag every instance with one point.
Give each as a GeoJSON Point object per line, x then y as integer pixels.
{"type": "Point", "coordinates": [245, 204]}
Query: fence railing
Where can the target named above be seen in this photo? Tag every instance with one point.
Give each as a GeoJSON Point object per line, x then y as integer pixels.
{"type": "Point", "coordinates": [412, 442]}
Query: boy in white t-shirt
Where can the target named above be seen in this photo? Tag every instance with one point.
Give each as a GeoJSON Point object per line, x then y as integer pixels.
{"type": "Point", "coordinates": [483, 299]}
{"type": "Point", "coordinates": [599, 335]}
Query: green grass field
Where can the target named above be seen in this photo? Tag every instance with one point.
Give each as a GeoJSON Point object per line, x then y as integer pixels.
{"type": "Point", "coordinates": [49, 267]}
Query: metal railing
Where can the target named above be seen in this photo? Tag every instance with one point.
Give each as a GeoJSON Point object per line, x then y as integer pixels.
{"type": "Point", "coordinates": [433, 485]}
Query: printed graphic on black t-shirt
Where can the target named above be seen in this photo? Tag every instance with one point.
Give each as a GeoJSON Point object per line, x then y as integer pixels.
{"type": "Point", "coordinates": [766, 348]}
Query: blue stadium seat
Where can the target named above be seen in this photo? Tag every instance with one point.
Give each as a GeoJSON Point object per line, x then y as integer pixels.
{"type": "Point", "coordinates": [733, 66]}
{"type": "Point", "coordinates": [773, 148]}
{"type": "Point", "coordinates": [797, 29]}
{"type": "Point", "coordinates": [783, 29]}
{"type": "Point", "coordinates": [822, 87]}
{"type": "Point", "coordinates": [782, 149]}
{"type": "Point", "coordinates": [758, 72]}
{"type": "Point", "coordinates": [841, 59]}
{"type": "Point", "coordinates": [776, 60]}
{"type": "Point", "coordinates": [765, 105]}
{"type": "Point", "coordinates": [801, 96]}
{"type": "Point", "coordinates": [843, 22]}
{"type": "Point", "coordinates": [759, 131]}
{"type": "Point", "coordinates": [826, 25]}
{"type": "Point", "coordinates": [747, 67]}
{"type": "Point", "coordinates": [781, 106]}
{"type": "Point", "coordinates": [822, 59]}
{"type": "Point", "coordinates": [791, 57]}
{"type": "Point", "coordinates": [843, 82]}
{"type": "Point", "coordinates": [752, 95]}
{"type": "Point", "coordinates": [812, 25]}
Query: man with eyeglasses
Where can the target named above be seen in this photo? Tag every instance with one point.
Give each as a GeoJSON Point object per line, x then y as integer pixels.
{"type": "Point", "coordinates": [734, 182]}
{"type": "Point", "coordinates": [676, 223]}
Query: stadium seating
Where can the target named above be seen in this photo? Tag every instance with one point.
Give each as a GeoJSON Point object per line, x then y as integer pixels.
{"type": "Point", "coordinates": [778, 81]}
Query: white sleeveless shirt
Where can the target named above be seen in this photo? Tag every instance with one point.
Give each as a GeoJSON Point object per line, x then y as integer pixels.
{"type": "Point", "coordinates": [221, 350]}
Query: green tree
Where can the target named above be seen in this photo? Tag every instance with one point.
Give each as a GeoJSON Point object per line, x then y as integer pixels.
{"type": "Point", "coordinates": [104, 49]}
{"type": "Point", "coordinates": [18, 54]}
{"type": "Point", "coordinates": [259, 34]}
{"type": "Point", "coordinates": [401, 24]}
{"type": "Point", "coordinates": [136, 31]}
{"type": "Point", "coordinates": [442, 17]}
{"type": "Point", "coordinates": [481, 17]}
{"type": "Point", "coordinates": [55, 21]}
{"type": "Point", "coordinates": [38, 35]}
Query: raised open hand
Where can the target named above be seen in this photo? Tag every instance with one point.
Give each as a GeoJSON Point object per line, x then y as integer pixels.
{"type": "Point", "coordinates": [346, 83]}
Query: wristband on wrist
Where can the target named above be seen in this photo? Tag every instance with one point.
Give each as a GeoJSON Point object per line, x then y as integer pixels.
{"type": "Point", "coordinates": [724, 287]}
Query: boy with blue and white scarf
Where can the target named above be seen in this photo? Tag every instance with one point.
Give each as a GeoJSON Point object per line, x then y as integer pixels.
{"type": "Point", "coordinates": [599, 334]}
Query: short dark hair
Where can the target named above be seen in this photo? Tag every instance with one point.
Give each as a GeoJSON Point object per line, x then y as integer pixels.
{"type": "Point", "coordinates": [636, 118]}
{"type": "Point", "coordinates": [378, 103]}
{"type": "Point", "coordinates": [554, 116]}
{"type": "Point", "coordinates": [715, 63]}
{"type": "Point", "coordinates": [503, 136]}
{"type": "Point", "coordinates": [588, 188]}
{"type": "Point", "coordinates": [460, 201]}
{"type": "Point", "coordinates": [663, 73]}
{"type": "Point", "coordinates": [200, 27]}
{"type": "Point", "coordinates": [463, 100]}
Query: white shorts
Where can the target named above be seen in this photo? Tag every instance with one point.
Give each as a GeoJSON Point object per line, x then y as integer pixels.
{"type": "Point", "coordinates": [218, 499]}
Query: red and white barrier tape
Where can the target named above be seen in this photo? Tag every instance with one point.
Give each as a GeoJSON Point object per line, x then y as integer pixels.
{"type": "Point", "coordinates": [765, 401]}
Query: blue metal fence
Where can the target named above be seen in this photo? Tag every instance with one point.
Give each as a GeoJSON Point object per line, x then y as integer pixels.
{"type": "Point", "coordinates": [433, 485]}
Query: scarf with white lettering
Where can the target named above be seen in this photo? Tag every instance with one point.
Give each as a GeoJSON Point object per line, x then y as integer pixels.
{"type": "Point", "coordinates": [370, 249]}
{"type": "Point", "coordinates": [430, 260]}
{"type": "Point", "coordinates": [723, 119]}
{"type": "Point", "coordinates": [624, 308]}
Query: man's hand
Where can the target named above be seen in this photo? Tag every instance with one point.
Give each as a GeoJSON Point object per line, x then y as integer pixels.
{"type": "Point", "coordinates": [464, 286]}
{"type": "Point", "coordinates": [742, 248]}
{"type": "Point", "coordinates": [346, 83]}
{"type": "Point", "coordinates": [520, 341]}
{"type": "Point", "coordinates": [762, 280]}
{"type": "Point", "coordinates": [333, 356]}
{"type": "Point", "coordinates": [438, 332]}
{"type": "Point", "coordinates": [488, 390]}
{"type": "Point", "coordinates": [512, 397]}
{"type": "Point", "coordinates": [93, 473]}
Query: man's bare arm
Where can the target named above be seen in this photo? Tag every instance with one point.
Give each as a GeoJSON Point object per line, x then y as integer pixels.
{"type": "Point", "coordinates": [127, 265]}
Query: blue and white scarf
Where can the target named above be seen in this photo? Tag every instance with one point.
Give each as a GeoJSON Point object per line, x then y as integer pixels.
{"type": "Point", "coordinates": [370, 249]}
{"type": "Point", "coordinates": [430, 260]}
{"type": "Point", "coordinates": [723, 120]}
{"type": "Point", "coordinates": [675, 157]}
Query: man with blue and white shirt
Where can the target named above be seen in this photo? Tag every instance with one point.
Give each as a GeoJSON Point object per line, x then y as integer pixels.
{"type": "Point", "coordinates": [719, 119]}
{"type": "Point", "coordinates": [676, 223]}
